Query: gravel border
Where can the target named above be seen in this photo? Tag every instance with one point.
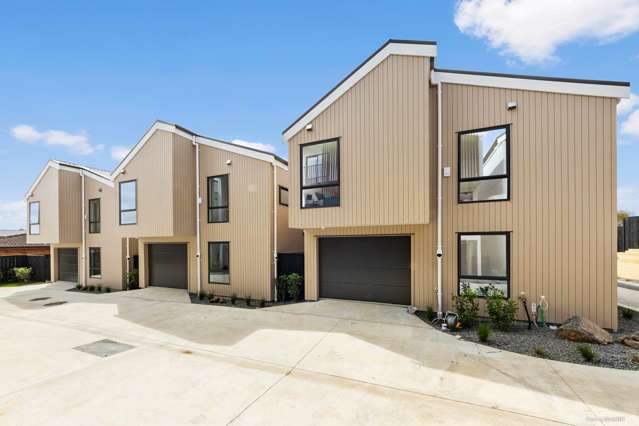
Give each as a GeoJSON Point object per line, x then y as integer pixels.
{"type": "Point", "coordinates": [524, 341]}
{"type": "Point", "coordinates": [239, 302]}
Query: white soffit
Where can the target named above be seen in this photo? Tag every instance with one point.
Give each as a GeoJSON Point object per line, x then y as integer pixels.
{"type": "Point", "coordinates": [538, 84]}
{"type": "Point", "coordinates": [407, 48]}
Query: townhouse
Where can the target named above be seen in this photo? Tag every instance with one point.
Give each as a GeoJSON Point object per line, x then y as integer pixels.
{"type": "Point", "coordinates": [410, 181]}
{"type": "Point", "coordinates": [177, 204]}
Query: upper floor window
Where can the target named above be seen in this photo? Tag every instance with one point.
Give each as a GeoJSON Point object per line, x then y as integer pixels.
{"type": "Point", "coordinates": [483, 165]}
{"type": "Point", "coordinates": [128, 202]}
{"type": "Point", "coordinates": [283, 196]}
{"type": "Point", "coordinates": [484, 260]}
{"type": "Point", "coordinates": [218, 198]}
{"type": "Point", "coordinates": [320, 174]}
{"type": "Point", "coordinates": [94, 216]}
{"type": "Point", "coordinates": [34, 218]}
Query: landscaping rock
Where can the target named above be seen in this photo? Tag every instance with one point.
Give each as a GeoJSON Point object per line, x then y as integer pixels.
{"type": "Point", "coordinates": [635, 359]}
{"type": "Point", "coordinates": [578, 329]}
{"type": "Point", "coordinates": [631, 340]}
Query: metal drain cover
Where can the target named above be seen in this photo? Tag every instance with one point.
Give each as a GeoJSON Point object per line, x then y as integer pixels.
{"type": "Point", "coordinates": [55, 303]}
{"type": "Point", "coordinates": [37, 299]}
{"type": "Point", "coordinates": [104, 348]}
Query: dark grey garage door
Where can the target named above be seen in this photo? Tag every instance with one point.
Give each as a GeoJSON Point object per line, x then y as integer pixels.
{"type": "Point", "coordinates": [68, 264]}
{"type": "Point", "coordinates": [375, 269]}
{"type": "Point", "coordinates": [167, 265]}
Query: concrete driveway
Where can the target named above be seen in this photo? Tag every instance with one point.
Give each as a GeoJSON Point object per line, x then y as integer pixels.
{"type": "Point", "coordinates": [329, 362]}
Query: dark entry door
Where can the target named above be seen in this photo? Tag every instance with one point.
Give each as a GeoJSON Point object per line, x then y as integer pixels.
{"type": "Point", "coordinates": [375, 269]}
{"type": "Point", "coordinates": [167, 265]}
{"type": "Point", "coordinates": [68, 264]}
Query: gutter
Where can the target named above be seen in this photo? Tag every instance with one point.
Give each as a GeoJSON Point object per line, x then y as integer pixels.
{"type": "Point", "coordinates": [198, 201]}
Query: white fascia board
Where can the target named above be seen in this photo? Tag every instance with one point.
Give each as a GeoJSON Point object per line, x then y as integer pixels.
{"type": "Point", "coordinates": [406, 49]}
{"type": "Point", "coordinates": [572, 88]}
{"type": "Point", "coordinates": [239, 149]}
{"type": "Point", "coordinates": [58, 166]}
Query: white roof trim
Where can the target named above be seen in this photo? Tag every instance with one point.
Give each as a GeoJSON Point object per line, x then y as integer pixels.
{"type": "Point", "coordinates": [160, 125]}
{"type": "Point", "coordinates": [76, 169]}
{"type": "Point", "coordinates": [553, 86]}
{"type": "Point", "coordinates": [392, 48]}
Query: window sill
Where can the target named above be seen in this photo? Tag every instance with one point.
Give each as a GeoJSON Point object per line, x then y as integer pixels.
{"type": "Point", "coordinates": [99, 277]}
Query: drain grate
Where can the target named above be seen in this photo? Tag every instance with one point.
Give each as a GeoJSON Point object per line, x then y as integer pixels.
{"type": "Point", "coordinates": [37, 299]}
{"type": "Point", "coordinates": [104, 348]}
{"type": "Point", "coordinates": [55, 303]}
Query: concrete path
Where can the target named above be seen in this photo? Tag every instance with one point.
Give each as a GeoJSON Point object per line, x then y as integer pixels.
{"type": "Point", "coordinates": [329, 362]}
{"type": "Point", "coordinates": [628, 295]}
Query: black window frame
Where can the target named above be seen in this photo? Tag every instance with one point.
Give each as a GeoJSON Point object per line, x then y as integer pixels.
{"type": "Point", "coordinates": [480, 178]}
{"type": "Point", "coordinates": [279, 195]}
{"type": "Point", "coordinates": [228, 199]}
{"type": "Point", "coordinates": [484, 277]}
{"type": "Point", "coordinates": [323, 185]}
{"type": "Point", "coordinates": [34, 223]}
{"type": "Point", "coordinates": [92, 266]}
{"type": "Point", "coordinates": [228, 245]}
{"type": "Point", "coordinates": [98, 222]}
{"type": "Point", "coordinates": [135, 181]}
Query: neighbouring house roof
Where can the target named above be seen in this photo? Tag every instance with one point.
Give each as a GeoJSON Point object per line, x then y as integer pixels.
{"type": "Point", "coordinates": [391, 47]}
{"type": "Point", "coordinates": [612, 89]}
{"type": "Point", "coordinates": [6, 233]}
{"type": "Point", "coordinates": [17, 240]}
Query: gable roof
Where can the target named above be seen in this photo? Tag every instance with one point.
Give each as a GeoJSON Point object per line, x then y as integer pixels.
{"type": "Point", "coordinates": [101, 176]}
{"type": "Point", "coordinates": [204, 140]}
{"type": "Point", "coordinates": [391, 47]}
{"type": "Point", "coordinates": [573, 86]}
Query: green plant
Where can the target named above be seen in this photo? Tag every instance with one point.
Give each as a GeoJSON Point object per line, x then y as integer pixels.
{"type": "Point", "coordinates": [540, 351]}
{"type": "Point", "coordinates": [233, 298]}
{"type": "Point", "coordinates": [22, 273]}
{"type": "Point", "coordinates": [133, 279]}
{"type": "Point", "coordinates": [84, 288]}
{"type": "Point", "coordinates": [627, 313]}
{"type": "Point", "coordinates": [107, 289]}
{"type": "Point", "coordinates": [78, 286]}
{"type": "Point", "coordinates": [502, 311]}
{"type": "Point", "coordinates": [587, 352]}
{"type": "Point", "coordinates": [282, 283]}
{"type": "Point", "coordinates": [91, 288]}
{"type": "Point", "coordinates": [201, 296]}
{"type": "Point", "coordinates": [247, 299]}
{"type": "Point", "coordinates": [466, 306]}
{"type": "Point", "coordinates": [262, 303]}
{"type": "Point", "coordinates": [483, 331]}
{"type": "Point", "coordinates": [294, 286]}
{"type": "Point", "coordinates": [99, 288]}
{"type": "Point", "coordinates": [430, 313]}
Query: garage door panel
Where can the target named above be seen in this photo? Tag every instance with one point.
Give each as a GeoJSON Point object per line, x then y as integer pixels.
{"type": "Point", "coordinates": [366, 268]}
{"type": "Point", "coordinates": [68, 264]}
{"type": "Point", "coordinates": [168, 265]}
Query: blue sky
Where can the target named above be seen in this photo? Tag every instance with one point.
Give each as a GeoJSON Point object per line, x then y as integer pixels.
{"type": "Point", "coordinates": [82, 82]}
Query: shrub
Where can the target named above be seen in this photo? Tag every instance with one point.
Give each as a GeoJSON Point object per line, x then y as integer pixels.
{"type": "Point", "coordinates": [282, 284]}
{"type": "Point", "coordinates": [262, 303]}
{"type": "Point", "coordinates": [233, 298]}
{"type": "Point", "coordinates": [483, 331]}
{"type": "Point", "coordinates": [22, 274]}
{"type": "Point", "coordinates": [540, 351]}
{"type": "Point", "coordinates": [248, 300]}
{"type": "Point", "coordinates": [107, 289]}
{"type": "Point", "coordinates": [201, 295]}
{"type": "Point", "coordinates": [502, 311]}
{"type": "Point", "coordinates": [587, 352]}
{"type": "Point", "coordinates": [133, 279]}
{"type": "Point", "coordinates": [430, 313]}
{"type": "Point", "coordinates": [466, 305]}
{"type": "Point", "coordinates": [78, 286]}
{"type": "Point", "coordinates": [99, 289]}
{"type": "Point", "coordinates": [627, 313]}
{"type": "Point", "coordinates": [91, 288]}
{"type": "Point", "coordinates": [294, 286]}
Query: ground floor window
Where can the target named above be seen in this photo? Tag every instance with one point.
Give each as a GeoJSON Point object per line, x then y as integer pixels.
{"type": "Point", "coordinates": [484, 259]}
{"type": "Point", "coordinates": [219, 263]}
{"type": "Point", "coordinates": [95, 263]}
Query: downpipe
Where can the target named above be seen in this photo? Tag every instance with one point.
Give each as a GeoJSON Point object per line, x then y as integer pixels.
{"type": "Point", "coordinates": [198, 202]}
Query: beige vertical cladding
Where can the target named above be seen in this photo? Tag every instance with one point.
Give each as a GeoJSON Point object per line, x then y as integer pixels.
{"type": "Point", "coordinates": [183, 186]}
{"type": "Point", "coordinates": [289, 240]}
{"type": "Point", "coordinates": [249, 230]}
{"type": "Point", "coordinates": [383, 126]}
{"type": "Point", "coordinates": [70, 216]}
{"type": "Point", "coordinates": [46, 192]}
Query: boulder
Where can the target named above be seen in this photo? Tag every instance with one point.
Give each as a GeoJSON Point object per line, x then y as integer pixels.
{"type": "Point", "coordinates": [635, 359]}
{"type": "Point", "coordinates": [580, 329]}
{"type": "Point", "coordinates": [631, 340]}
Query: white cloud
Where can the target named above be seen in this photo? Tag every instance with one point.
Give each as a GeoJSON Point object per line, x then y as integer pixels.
{"type": "Point", "coordinates": [631, 125]}
{"type": "Point", "coordinates": [532, 30]}
{"type": "Point", "coordinates": [627, 104]}
{"type": "Point", "coordinates": [254, 145]}
{"type": "Point", "coordinates": [118, 152]}
{"type": "Point", "coordinates": [12, 215]}
{"type": "Point", "coordinates": [77, 143]}
{"type": "Point", "coordinates": [628, 199]}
